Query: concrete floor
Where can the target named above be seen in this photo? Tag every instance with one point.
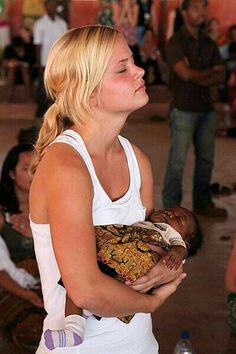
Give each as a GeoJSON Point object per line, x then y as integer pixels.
{"type": "Point", "coordinates": [199, 305]}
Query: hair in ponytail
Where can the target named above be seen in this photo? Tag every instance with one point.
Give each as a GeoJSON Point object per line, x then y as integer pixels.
{"type": "Point", "coordinates": [52, 126]}
{"type": "Point", "coordinates": [74, 71]}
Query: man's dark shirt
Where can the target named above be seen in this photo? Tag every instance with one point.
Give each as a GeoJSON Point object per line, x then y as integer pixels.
{"type": "Point", "coordinates": [199, 54]}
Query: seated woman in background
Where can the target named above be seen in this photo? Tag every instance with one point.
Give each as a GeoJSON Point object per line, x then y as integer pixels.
{"type": "Point", "coordinates": [14, 196]}
{"type": "Point", "coordinates": [20, 293]}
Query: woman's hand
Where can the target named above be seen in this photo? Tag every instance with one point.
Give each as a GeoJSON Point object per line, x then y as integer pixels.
{"type": "Point", "coordinates": [21, 224]}
{"type": "Point", "coordinates": [157, 276]}
{"type": "Point", "coordinates": [161, 294]}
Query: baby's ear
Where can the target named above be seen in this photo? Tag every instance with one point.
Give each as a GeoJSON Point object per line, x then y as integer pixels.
{"type": "Point", "coordinates": [195, 242]}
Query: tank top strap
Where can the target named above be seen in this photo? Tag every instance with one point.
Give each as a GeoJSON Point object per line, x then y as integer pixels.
{"type": "Point", "coordinates": [135, 178]}
{"type": "Point", "coordinates": [73, 139]}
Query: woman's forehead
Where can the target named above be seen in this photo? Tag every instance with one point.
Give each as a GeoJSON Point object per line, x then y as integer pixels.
{"type": "Point", "coordinates": [121, 52]}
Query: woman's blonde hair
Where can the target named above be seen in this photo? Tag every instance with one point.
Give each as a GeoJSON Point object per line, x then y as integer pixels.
{"type": "Point", "coordinates": [74, 70]}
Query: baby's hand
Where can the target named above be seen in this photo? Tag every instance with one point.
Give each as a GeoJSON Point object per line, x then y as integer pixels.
{"type": "Point", "coordinates": [173, 258]}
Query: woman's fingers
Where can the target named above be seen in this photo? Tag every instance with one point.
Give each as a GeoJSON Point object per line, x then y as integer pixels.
{"type": "Point", "coordinates": [157, 276]}
{"type": "Point", "coordinates": [164, 291]}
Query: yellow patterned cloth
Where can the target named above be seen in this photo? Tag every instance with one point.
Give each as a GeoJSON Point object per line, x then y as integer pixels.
{"type": "Point", "coordinates": [125, 250]}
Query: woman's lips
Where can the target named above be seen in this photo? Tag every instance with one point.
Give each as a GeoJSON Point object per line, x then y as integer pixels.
{"type": "Point", "coordinates": [141, 87]}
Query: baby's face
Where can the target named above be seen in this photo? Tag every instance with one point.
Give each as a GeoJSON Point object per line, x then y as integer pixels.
{"type": "Point", "coordinates": [179, 218]}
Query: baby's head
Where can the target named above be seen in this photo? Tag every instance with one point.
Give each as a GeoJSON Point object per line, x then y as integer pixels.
{"type": "Point", "coordinates": [184, 222]}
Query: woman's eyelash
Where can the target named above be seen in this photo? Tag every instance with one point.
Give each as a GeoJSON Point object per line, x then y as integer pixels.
{"type": "Point", "coordinates": [122, 71]}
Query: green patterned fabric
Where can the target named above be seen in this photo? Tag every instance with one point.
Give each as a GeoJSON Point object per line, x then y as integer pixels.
{"type": "Point", "coordinates": [231, 312]}
{"type": "Point", "coordinates": [1, 6]}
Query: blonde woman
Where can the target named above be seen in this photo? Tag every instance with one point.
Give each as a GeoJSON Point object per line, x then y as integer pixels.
{"type": "Point", "coordinates": [86, 174]}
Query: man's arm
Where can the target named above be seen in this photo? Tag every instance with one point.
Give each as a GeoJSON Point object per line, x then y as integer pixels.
{"type": "Point", "coordinates": [178, 61]}
{"type": "Point", "coordinates": [185, 73]}
{"type": "Point", "coordinates": [217, 77]}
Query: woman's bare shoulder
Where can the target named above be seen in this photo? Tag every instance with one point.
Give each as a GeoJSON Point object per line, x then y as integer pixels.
{"type": "Point", "coordinates": [142, 158]}
{"type": "Point", "coordinates": [61, 176]}
{"type": "Point", "coordinates": [60, 157]}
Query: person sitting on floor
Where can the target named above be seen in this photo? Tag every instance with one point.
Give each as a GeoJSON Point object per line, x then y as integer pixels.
{"type": "Point", "coordinates": [14, 203]}
{"type": "Point", "coordinates": [16, 63]}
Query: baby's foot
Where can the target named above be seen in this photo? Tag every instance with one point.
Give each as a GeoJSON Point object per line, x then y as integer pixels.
{"type": "Point", "coordinates": [61, 338]}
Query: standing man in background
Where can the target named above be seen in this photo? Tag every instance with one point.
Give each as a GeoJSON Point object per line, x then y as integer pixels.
{"type": "Point", "coordinates": [195, 65]}
{"type": "Point", "coordinates": [46, 31]}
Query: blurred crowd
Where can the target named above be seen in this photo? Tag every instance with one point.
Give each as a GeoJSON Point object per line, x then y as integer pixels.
{"type": "Point", "coordinates": [22, 62]}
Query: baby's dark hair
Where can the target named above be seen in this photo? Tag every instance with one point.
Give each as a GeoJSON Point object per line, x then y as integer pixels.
{"type": "Point", "coordinates": [195, 239]}
{"type": "Point", "coordinates": [186, 3]}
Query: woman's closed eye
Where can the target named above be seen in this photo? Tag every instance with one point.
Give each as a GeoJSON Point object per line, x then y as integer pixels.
{"type": "Point", "coordinates": [122, 71]}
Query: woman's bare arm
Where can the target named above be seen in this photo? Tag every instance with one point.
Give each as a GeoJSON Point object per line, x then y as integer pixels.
{"type": "Point", "coordinates": [69, 195]}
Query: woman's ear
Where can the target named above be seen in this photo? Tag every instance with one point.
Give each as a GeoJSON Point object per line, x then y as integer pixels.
{"type": "Point", "coordinates": [12, 174]}
{"type": "Point", "coordinates": [94, 99]}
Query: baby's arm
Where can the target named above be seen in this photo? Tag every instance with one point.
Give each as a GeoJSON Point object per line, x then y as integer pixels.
{"type": "Point", "coordinates": [71, 308]}
{"type": "Point", "coordinates": [72, 334]}
{"type": "Point", "coordinates": [178, 252]}
{"type": "Point", "coordinates": [173, 258]}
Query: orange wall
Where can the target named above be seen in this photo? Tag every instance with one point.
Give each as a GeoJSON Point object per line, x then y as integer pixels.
{"type": "Point", "coordinates": [225, 10]}
{"type": "Point", "coordinates": [83, 12]}
{"type": "Point", "coordinates": [16, 15]}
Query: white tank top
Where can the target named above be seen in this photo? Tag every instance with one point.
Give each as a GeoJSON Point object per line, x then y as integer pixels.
{"type": "Point", "coordinates": [109, 335]}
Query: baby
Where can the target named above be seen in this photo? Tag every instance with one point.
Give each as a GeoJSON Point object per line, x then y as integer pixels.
{"type": "Point", "coordinates": [173, 232]}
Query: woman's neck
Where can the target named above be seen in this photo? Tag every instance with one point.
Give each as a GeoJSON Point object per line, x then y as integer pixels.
{"type": "Point", "coordinates": [100, 132]}
{"type": "Point", "coordinates": [23, 200]}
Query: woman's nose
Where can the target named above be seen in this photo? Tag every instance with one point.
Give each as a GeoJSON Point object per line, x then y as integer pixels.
{"type": "Point", "coordinates": [139, 71]}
